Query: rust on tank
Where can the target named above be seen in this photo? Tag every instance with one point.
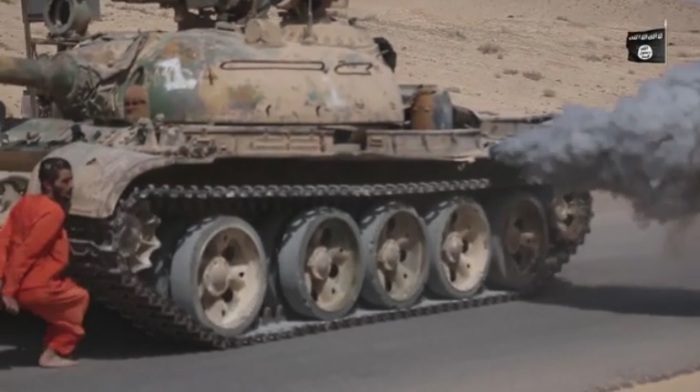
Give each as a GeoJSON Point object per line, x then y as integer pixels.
{"type": "Point", "coordinates": [245, 97]}
{"type": "Point", "coordinates": [20, 160]}
{"type": "Point", "coordinates": [423, 108]}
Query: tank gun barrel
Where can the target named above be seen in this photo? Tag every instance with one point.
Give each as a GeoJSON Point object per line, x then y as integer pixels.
{"type": "Point", "coordinates": [55, 76]}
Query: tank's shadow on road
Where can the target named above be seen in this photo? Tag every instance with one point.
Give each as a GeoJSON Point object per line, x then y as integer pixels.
{"type": "Point", "coordinates": [110, 337]}
{"type": "Point", "coordinates": [623, 299]}
{"type": "Point", "coordinates": [107, 337]}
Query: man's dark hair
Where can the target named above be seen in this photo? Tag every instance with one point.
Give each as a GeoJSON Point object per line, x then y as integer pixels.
{"type": "Point", "coordinates": [49, 169]}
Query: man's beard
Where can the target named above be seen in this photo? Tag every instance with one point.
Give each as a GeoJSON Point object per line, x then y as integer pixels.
{"type": "Point", "coordinates": [63, 201]}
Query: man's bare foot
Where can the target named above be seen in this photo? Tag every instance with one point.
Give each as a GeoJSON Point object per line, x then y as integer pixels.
{"type": "Point", "coordinates": [50, 359]}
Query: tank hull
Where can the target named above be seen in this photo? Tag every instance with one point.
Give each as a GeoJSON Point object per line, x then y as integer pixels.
{"type": "Point", "coordinates": [262, 190]}
{"type": "Point", "coordinates": [277, 181]}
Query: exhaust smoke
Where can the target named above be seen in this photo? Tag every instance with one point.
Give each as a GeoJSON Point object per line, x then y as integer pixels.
{"type": "Point", "coordinates": [646, 149]}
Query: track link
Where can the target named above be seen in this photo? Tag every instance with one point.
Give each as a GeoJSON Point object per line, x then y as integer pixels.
{"type": "Point", "coordinates": [101, 266]}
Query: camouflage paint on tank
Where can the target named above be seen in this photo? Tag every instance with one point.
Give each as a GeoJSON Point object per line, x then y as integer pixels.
{"type": "Point", "coordinates": [101, 174]}
{"type": "Point", "coordinates": [172, 70]}
{"type": "Point", "coordinates": [80, 80]}
{"type": "Point", "coordinates": [21, 148]}
{"type": "Point", "coordinates": [196, 76]}
{"type": "Point", "coordinates": [210, 75]}
{"type": "Point", "coordinates": [204, 76]}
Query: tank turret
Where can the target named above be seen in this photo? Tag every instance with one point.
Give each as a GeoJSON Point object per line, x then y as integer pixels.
{"type": "Point", "coordinates": [261, 73]}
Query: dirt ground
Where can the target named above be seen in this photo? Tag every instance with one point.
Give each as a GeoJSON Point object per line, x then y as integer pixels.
{"type": "Point", "coordinates": [508, 57]}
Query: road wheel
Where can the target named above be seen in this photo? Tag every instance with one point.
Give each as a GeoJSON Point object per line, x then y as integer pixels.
{"type": "Point", "coordinates": [397, 257]}
{"type": "Point", "coordinates": [219, 274]}
{"type": "Point", "coordinates": [460, 247]}
{"type": "Point", "coordinates": [320, 264]}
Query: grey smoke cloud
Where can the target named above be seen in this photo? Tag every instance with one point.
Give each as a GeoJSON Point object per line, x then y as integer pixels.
{"type": "Point", "coordinates": [646, 149]}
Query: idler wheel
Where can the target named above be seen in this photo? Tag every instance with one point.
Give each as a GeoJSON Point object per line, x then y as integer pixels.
{"type": "Point", "coordinates": [571, 216]}
{"type": "Point", "coordinates": [521, 242]}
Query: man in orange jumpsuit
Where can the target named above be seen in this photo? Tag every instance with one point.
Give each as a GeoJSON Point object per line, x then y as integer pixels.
{"type": "Point", "coordinates": [34, 251]}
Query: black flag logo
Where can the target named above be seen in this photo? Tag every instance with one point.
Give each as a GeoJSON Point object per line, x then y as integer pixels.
{"type": "Point", "coordinates": [646, 46]}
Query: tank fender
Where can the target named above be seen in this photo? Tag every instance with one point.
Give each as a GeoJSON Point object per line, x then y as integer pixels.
{"type": "Point", "coordinates": [100, 175]}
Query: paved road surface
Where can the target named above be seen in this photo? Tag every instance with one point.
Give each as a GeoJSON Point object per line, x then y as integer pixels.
{"type": "Point", "coordinates": [629, 312]}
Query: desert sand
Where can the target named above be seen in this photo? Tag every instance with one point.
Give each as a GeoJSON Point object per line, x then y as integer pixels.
{"type": "Point", "coordinates": [510, 57]}
{"type": "Point", "coordinates": [506, 57]}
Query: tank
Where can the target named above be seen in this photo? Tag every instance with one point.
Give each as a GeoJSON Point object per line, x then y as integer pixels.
{"type": "Point", "coordinates": [247, 178]}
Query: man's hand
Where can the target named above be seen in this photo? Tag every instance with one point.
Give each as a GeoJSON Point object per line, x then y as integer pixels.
{"type": "Point", "coordinates": [11, 305]}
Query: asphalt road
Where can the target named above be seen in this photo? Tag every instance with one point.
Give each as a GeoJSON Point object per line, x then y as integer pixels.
{"type": "Point", "coordinates": [627, 311]}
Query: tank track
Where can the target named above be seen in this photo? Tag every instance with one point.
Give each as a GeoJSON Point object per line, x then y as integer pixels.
{"type": "Point", "coordinates": [102, 268]}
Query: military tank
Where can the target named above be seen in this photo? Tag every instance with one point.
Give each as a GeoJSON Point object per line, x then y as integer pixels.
{"type": "Point", "coordinates": [246, 179]}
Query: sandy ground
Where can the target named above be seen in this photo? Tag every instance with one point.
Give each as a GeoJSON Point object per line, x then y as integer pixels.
{"type": "Point", "coordinates": [508, 57]}
{"type": "Point", "coordinates": [498, 56]}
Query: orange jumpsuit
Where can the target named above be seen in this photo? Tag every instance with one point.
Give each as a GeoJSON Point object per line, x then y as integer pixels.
{"type": "Point", "coordinates": [34, 251]}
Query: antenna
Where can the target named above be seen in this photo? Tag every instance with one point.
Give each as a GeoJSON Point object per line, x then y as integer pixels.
{"type": "Point", "coordinates": [308, 34]}
{"type": "Point", "coordinates": [666, 42]}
